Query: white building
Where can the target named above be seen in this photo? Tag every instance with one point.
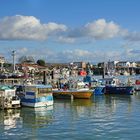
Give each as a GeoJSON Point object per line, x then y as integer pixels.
{"type": "Point", "coordinates": [133, 64]}
{"type": "Point", "coordinates": [112, 64]}
{"type": "Point", "coordinates": [123, 64]}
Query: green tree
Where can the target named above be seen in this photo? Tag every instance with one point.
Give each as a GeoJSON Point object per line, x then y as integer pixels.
{"type": "Point", "coordinates": [41, 62]}
{"type": "Point", "coordinates": [6, 65]}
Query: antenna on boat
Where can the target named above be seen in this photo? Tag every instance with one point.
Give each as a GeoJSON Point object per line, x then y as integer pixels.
{"type": "Point", "coordinates": [103, 70]}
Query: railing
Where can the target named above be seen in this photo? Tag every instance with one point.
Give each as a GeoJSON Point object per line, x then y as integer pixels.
{"type": "Point", "coordinates": [11, 81]}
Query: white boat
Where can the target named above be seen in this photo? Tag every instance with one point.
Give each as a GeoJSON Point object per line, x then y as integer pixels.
{"type": "Point", "coordinates": [35, 95]}
{"type": "Point", "coordinates": [8, 97]}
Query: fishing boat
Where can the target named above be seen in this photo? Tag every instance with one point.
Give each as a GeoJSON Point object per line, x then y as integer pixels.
{"type": "Point", "coordinates": [94, 84]}
{"type": "Point", "coordinates": [113, 86]}
{"type": "Point", "coordinates": [119, 90]}
{"type": "Point", "coordinates": [99, 90]}
{"type": "Point", "coordinates": [35, 95]}
{"type": "Point", "coordinates": [8, 97]}
{"type": "Point", "coordinates": [81, 91]}
{"type": "Point", "coordinates": [73, 94]}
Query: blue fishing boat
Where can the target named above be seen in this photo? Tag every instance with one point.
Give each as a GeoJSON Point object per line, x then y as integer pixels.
{"type": "Point", "coordinates": [35, 95]}
{"type": "Point", "coordinates": [119, 90]}
{"type": "Point", "coordinates": [114, 86]}
{"type": "Point", "coordinates": [99, 90]}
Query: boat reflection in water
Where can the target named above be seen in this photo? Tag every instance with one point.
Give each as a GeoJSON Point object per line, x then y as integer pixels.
{"type": "Point", "coordinates": [105, 116]}
{"type": "Point", "coordinates": [82, 102]}
{"type": "Point", "coordinates": [24, 122]}
{"type": "Point", "coordinates": [74, 103]}
{"type": "Point", "coordinates": [97, 105]}
{"type": "Point", "coordinates": [10, 119]}
{"type": "Point", "coordinates": [113, 102]}
{"type": "Point", "coordinates": [137, 95]}
{"type": "Point", "coordinates": [37, 117]}
{"type": "Point", "coordinates": [75, 108]}
{"type": "Point", "coordinates": [82, 108]}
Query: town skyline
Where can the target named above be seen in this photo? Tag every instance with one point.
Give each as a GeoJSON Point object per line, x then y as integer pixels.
{"type": "Point", "coordinates": [66, 31]}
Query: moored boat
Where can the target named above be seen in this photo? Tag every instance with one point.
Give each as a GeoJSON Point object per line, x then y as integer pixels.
{"type": "Point", "coordinates": [82, 94]}
{"type": "Point", "coordinates": [81, 91]}
{"type": "Point", "coordinates": [99, 90]}
{"type": "Point", "coordinates": [85, 94]}
{"type": "Point", "coordinates": [113, 86]}
{"type": "Point", "coordinates": [128, 90]}
{"type": "Point", "coordinates": [36, 95]}
{"type": "Point", "coordinates": [8, 97]}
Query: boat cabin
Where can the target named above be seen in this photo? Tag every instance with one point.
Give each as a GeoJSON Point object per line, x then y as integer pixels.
{"type": "Point", "coordinates": [36, 95]}
{"type": "Point", "coordinates": [109, 81]}
{"type": "Point", "coordinates": [8, 98]}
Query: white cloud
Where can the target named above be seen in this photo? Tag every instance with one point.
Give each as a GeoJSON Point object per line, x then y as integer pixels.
{"type": "Point", "coordinates": [78, 55]}
{"type": "Point", "coordinates": [65, 39]}
{"type": "Point", "coordinates": [100, 29]}
{"type": "Point", "coordinates": [30, 28]}
{"type": "Point", "coordinates": [54, 27]}
{"type": "Point", "coordinates": [73, 55]}
{"type": "Point", "coordinates": [22, 50]}
{"type": "Point", "coordinates": [27, 28]}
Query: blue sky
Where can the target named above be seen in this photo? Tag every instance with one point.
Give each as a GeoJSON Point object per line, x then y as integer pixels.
{"type": "Point", "coordinates": [70, 30]}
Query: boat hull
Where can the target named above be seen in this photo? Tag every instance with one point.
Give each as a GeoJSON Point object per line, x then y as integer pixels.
{"type": "Point", "coordinates": [73, 94]}
{"type": "Point", "coordinates": [37, 102]}
{"type": "Point", "coordinates": [119, 90]}
{"type": "Point", "coordinates": [99, 90]}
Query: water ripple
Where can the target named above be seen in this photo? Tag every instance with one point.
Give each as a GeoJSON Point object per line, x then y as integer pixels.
{"type": "Point", "coordinates": [104, 117]}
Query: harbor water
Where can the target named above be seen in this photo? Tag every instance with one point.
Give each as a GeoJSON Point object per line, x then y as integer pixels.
{"type": "Point", "coordinates": [103, 117]}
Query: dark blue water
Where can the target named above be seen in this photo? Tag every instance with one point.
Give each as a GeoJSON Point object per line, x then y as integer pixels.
{"type": "Point", "coordinates": [101, 118]}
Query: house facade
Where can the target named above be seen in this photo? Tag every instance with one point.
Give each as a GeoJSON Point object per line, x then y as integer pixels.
{"type": "Point", "coordinates": [123, 64]}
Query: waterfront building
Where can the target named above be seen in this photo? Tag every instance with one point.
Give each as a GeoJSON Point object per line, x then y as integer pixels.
{"type": "Point", "coordinates": [112, 64]}
{"type": "Point", "coordinates": [123, 64]}
{"type": "Point", "coordinates": [80, 65]}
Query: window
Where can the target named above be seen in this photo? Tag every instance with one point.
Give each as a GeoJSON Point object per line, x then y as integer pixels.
{"type": "Point", "coordinates": [44, 90]}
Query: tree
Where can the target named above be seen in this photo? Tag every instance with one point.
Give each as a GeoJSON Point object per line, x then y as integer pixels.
{"type": "Point", "coordinates": [41, 62]}
{"type": "Point", "coordinates": [6, 65]}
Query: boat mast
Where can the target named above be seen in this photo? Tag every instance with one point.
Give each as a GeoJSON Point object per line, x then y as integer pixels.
{"type": "Point", "coordinates": [103, 75]}
{"type": "Point", "coordinates": [13, 54]}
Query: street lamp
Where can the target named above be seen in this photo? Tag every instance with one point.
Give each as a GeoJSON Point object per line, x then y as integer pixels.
{"type": "Point", "coordinates": [13, 54]}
